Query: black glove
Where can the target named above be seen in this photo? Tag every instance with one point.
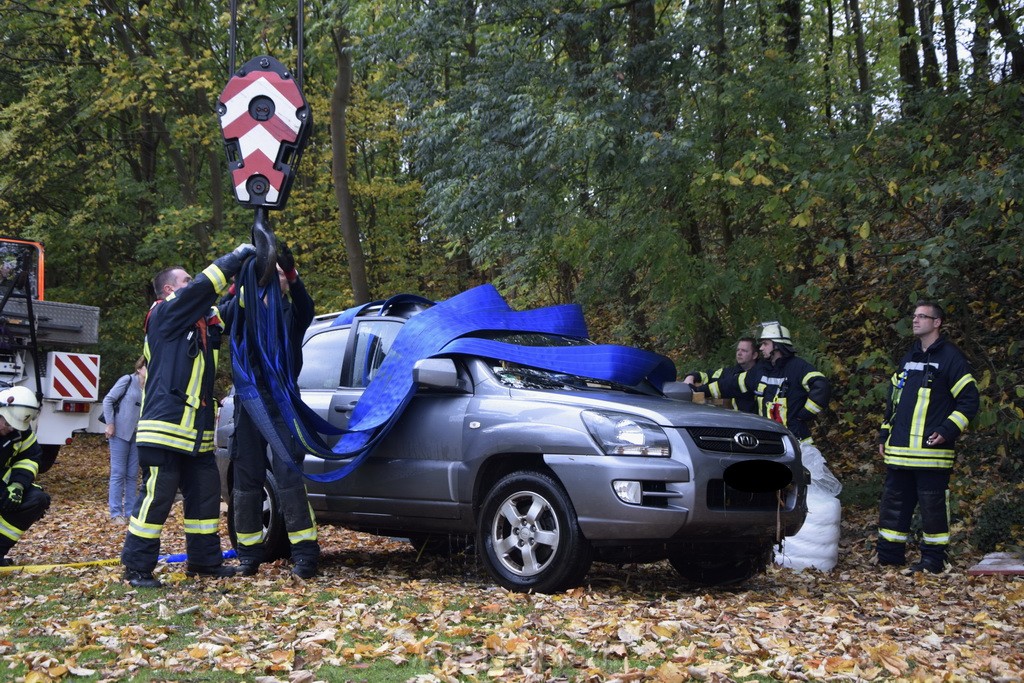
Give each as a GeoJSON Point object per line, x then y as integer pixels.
{"type": "Point", "coordinates": [231, 263]}
{"type": "Point", "coordinates": [285, 258]}
{"type": "Point", "coordinates": [12, 497]}
{"type": "Point", "coordinates": [244, 251]}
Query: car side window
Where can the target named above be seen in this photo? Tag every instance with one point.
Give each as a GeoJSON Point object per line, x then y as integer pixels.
{"type": "Point", "coordinates": [322, 355]}
{"type": "Point", "coordinates": [373, 343]}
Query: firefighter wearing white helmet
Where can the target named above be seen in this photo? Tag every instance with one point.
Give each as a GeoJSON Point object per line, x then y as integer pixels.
{"type": "Point", "coordinates": [790, 390]}
{"type": "Point", "coordinates": [786, 388]}
{"type": "Point", "coordinates": [22, 501]}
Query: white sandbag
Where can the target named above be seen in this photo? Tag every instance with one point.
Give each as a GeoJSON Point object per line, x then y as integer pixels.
{"type": "Point", "coordinates": [822, 478]}
{"type": "Point", "coordinates": [817, 543]}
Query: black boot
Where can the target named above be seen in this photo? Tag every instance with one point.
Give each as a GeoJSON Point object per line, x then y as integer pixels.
{"type": "Point", "coordinates": [933, 559]}
{"type": "Point", "coordinates": [248, 567]}
{"type": "Point", "coordinates": [141, 579]}
{"type": "Point", "coordinates": [304, 569]}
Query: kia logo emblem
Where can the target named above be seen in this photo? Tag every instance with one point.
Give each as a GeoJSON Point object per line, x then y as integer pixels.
{"type": "Point", "coordinates": [746, 440]}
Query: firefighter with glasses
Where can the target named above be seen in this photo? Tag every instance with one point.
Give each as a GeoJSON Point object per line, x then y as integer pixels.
{"type": "Point", "coordinates": [22, 501]}
{"type": "Point", "coordinates": [932, 398]}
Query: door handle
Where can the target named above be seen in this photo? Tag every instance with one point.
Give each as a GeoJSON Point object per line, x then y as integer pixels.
{"type": "Point", "coordinates": [346, 408]}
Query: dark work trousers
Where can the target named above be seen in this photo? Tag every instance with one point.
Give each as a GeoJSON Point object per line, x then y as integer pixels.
{"type": "Point", "coordinates": [15, 523]}
{"type": "Point", "coordinates": [249, 454]}
{"type": "Point", "coordinates": [164, 472]}
{"type": "Point", "coordinates": [905, 489]}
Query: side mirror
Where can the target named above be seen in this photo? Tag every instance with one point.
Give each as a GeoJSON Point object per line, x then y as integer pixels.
{"type": "Point", "coordinates": [680, 391]}
{"type": "Point", "coordinates": [436, 373]}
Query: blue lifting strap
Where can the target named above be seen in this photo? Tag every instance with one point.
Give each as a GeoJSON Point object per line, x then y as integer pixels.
{"type": "Point", "coordinates": [449, 328]}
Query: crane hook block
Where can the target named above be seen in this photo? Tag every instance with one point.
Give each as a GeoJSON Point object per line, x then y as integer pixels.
{"type": "Point", "coordinates": [266, 122]}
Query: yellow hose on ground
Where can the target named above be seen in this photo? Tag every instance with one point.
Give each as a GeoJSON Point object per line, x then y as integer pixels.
{"type": "Point", "coordinates": [43, 568]}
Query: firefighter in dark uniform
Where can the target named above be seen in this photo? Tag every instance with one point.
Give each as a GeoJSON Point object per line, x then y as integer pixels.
{"type": "Point", "coordinates": [932, 398]}
{"type": "Point", "coordinates": [790, 390]}
{"type": "Point", "coordinates": [22, 501]}
{"type": "Point", "coordinates": [175, 431]}
{"type": "Point", "coordinates": [249, 448]}
{"type": "Point", "coordinates": [724, 381]}
{"type": "Point", "coordinates": [782, 386]}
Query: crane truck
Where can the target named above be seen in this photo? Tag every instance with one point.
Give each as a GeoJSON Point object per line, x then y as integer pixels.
{"type": "Point", "coordinates": [40, 347]}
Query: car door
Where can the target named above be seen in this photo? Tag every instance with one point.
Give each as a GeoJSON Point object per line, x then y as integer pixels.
{"type": "Point", "coordinates": [413, 471]}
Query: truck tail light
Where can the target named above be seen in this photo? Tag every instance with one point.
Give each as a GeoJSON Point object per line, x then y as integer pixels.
{"type": "Point", "coordinates": [74, 407]}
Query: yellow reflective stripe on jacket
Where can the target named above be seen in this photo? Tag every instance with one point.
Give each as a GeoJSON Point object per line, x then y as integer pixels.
{"type": "Point", "coordinates": [917, 422]}
{"type": "Point", "coordinates": [27, 441]}
{"type": "Point", "coordinates": [201, 526]}
{"type": "Point", "coordinates": [811, 406]}
{"type": "Point", "coordinates": [216, 277]}
{"type": "Point", "coordinates": [806, 381]}
{"type": "Point", "coordinates": [29, 465]}
{"type": "Point", "coordinates": [961, 383]}
{"type": "Point", "coordinates": [938, 458]}
{"type": "Point", "coordinates": [165, 434]}
{"type": "Point", "coordinates": [959, 419]}
{"type": "Point", "coordinates": [894, 536]}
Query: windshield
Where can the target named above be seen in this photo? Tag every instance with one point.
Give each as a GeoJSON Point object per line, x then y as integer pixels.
{"type": "Point", "coordinates": [519, 376]}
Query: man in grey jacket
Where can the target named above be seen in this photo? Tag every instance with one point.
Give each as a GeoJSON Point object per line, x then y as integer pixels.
{"type": "Point", "coordinates": [121, 408]}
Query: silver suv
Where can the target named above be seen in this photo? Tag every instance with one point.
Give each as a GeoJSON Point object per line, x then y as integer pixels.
{"type": "Point", "coordinates": [544, 472]}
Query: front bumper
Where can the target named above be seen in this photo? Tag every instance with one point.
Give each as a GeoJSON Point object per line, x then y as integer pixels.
{"type": "Point", "coordinates": [680, 502]}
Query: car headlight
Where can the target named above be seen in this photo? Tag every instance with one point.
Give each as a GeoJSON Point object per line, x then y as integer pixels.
{"type": "Point", "coordinates": [624, 434]}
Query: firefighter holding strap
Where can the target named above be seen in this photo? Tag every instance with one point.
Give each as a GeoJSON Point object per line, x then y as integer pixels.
{"type": "Point", "coordinates": [932, 398]}
{"type": "Point", "coordinates": [22, 502]}
{"type": "Point", "coordinates": [175, 431]}
{"type": "Point", "coordinates": [249, 448]}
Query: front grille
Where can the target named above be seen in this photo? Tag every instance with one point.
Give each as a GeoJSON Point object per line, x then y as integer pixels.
{"type": "Point", "coordinates": [721, 496]}
{"type": "Point", "coordinates": [723, 440]}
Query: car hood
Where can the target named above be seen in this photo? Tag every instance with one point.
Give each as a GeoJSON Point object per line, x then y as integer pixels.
{"type": "Point", "coordinates": [666, 412]}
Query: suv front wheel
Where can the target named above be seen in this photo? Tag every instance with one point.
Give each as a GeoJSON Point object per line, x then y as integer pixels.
{"type": "Point", "coordinates": [528, 536]}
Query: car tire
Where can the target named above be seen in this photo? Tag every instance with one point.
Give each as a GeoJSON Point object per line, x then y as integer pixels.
{"type": "Point", "coordinates": [528, 537]}
{"type": "Point", "coordinates": [716, 564]}
{"type": "Point", "coordinates": [275, 544]}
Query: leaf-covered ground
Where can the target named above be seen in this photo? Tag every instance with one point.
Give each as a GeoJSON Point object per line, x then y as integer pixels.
{"type": "Point", "coordinates": [379, 613]}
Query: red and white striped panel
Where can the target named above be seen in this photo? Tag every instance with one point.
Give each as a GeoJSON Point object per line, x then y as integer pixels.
{"type": "Point", "coordinates": [72, 376]}
{"type": "Point", "coordinates": [259, 142]}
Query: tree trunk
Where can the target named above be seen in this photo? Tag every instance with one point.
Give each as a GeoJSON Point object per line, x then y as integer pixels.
{"type": "Point", "coordinates": [863, 73]}
{"type": "Point", "coordinates": [981, 53]}
{"type": "Point", "coordinates": [910, 69]}
{"type": "Point", "coordinates": [830, 51]}
{"type": "Point", "coordinates": [1011, 36]}
{"type": "Point", "coordinates": [720, 126]}
{"type": "Point", "coordinates": [926, 12]}
{"type": "Point", "coordinates": [789, 11]}
{"type": "Point", "coordinates": [949, 36]}
{"type": "Point", "coordinates": [339, 160]}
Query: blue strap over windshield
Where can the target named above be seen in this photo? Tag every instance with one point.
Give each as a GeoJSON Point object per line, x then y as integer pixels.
{"type": "Point", "coordinates": [621, 364]}
{"type": "Point", "coordinates": [451, 327]}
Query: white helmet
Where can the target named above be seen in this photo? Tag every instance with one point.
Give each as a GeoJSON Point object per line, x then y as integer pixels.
{"type": "Point", "coordinates": [19, 407]}
{"type": "Point", "coordinates": [774, 332]}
